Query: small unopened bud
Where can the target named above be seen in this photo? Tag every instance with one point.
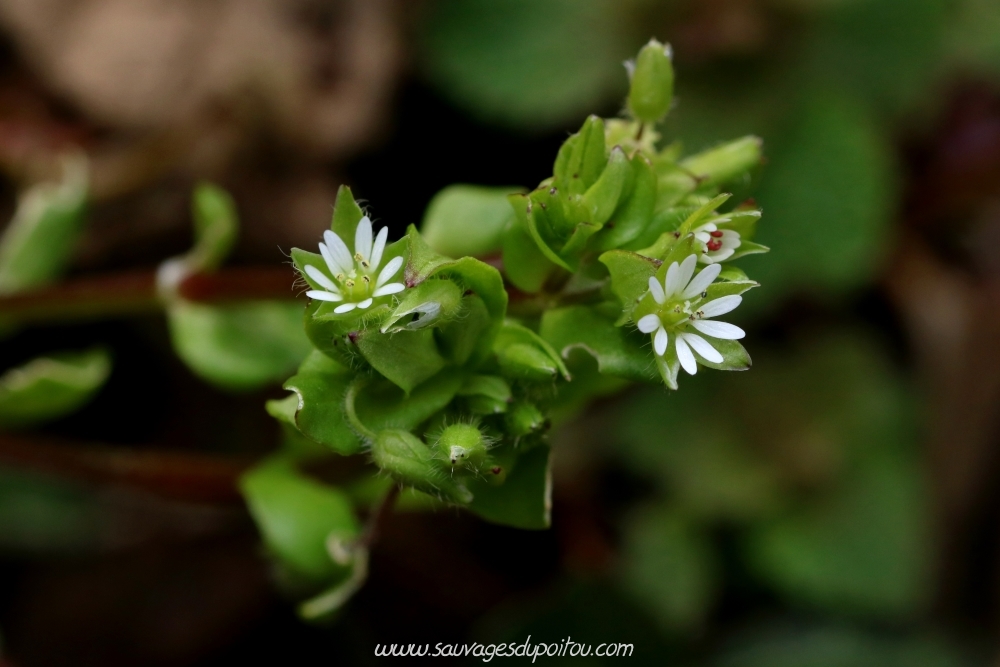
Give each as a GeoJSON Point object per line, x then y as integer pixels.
{"type": "Point", "coordinates": [464, 446]}
{"type": "Point", "coordinates": [527, 362]}
{"type": "Point", "coordinates": [652, 88]}
{"type": "Point", "coordinates": [523, 418]}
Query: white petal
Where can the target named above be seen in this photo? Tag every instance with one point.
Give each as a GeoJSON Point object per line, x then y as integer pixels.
{"type": "Point", "coordinates": [339, 251]}
{"type": "Point", "coordinates": [378, 248]}
{"type": "Point", "coordinates": [702, 347]}
{"type": "Point", "coordinates": [363, 239]}
{"type": "Point", "coordinates": [660, 341]}
{"type": "Point", "coordinates": [721, 306]}
{"type": "Point", "coordinates": [707, 227]}
{"type": "Point", "coordinates": [649, 323]}
{"type": "Point", "coordinates": [331, 261]}
{"type": "Point", "coordinates": [345, 307]}
{"type": "Point", "coordinates": [730, 235]}
{"type": "Point", "coordinates": [701, 281]}
{"type": "Point", "coordinates": [687, 270]}
{"type": "Point", "coordinates": [364, 304]}
{"type": "Point", "coordinates": [671, 282]}
{"type": "Point", "coordinates": [391, 269]}
{"type": "Point", "coordinates": [722, 330]}
{"type": "Point", "coordinates": [323, 296]}
{"type": "Point", "coordinates": [685, 357]}
{"type": "Point", "coordinates": [321, 278]}
{"type": "Point", "coordinates": [704, 237]}
{"type": "Point", "coordinates": [391, 288]}
{"type": "Point", "coordinates": [656, 290]}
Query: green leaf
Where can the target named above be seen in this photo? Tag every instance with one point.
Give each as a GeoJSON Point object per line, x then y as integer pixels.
{"type": "Point", "coordinates": [522, 350]}
{"type": "Point", "coordinates": [724, 163]}
{"type": "Point", "coordinates": [241, 346]}
{"type": "Point", "coordinates": [318, 410]}
{"type": "Point", "coordinates": [50, 387]}
{"type": "Point", "coordinates": [468, 220]}
{"type": "Point", "coordinates": [36, 246]}
{"type": "Point", "coordinates": [524, 264]}
{"type": "Point", "coordinates": [524, 500]}
{"type": "Point", "coordinates": [601, 199]}
{"type": "Point", "coordinates": [585, 160]}
{"type": "Point", "coordinates": [296, 516]}
{"type": "Point", "coordinates": [215, 227]}
{"type": "Point", "coordinates": [630, 274]}
{"type": "Point", "coordinates": [486, 394]}
{"type": "Point", "coordinates": [635, 212]}
{"type": "Point", "coordinates": [381, 405]}
{"type": "Point", "coordinates": [524, 63]}
{"type": "Point", "coordinates": [670, 567]}
{"type": "Point", "coordinates": [619, 351]}
{"type": "Point", "coordinates": [406, 358]}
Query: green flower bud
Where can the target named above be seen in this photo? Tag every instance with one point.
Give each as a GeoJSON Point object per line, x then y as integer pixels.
{"type": "Point", "coordinates": [527, 362]}
{"type": "Point", "coordinates": [725, 162]}
{"type": "Point", "coordinates": [405, 457]}
{"type": "Point", "coordinates": [430, 303]}
{"type": "Point", "coordinates": [524, 418]}
{"type": "Point", "coordinates": [652, 87]}
{"type": "Point", "coordinates": [464, 446]}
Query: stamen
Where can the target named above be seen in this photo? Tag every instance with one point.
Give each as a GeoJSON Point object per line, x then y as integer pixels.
{"type": "Point", "coordinates": [367, 279]}
{"type": "Point", "coordinates": [349, 283]}
{"type": "Point", "coordinates": [717, 234]}
{"type": "Point", "coordinates": [714, 245]}
{"type": "Point", "coordinates": [358, 257]}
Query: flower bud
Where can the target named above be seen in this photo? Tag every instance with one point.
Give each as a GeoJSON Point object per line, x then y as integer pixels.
{"type": "Point", "coordinates": [405, 457]}
{"type": "Point", "coordinates": [524, 418]}
{"type": "Point", "coordinates": [463, 445]}
{"type": "Point", "coordinates": [428, 304]}
{"type": "Point", "coordinates": [527, 362]}
{"type": "Point", "coordinates": [652, 87]}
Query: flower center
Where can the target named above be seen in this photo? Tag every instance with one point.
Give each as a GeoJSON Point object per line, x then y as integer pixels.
{"type": "Point", "coordinates": [715, 243]}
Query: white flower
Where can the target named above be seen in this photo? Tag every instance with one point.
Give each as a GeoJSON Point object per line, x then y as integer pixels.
{"type": "Point", "coordinates": [718, 245]}
{"type": "Point", "coordinates": [680, 304]}
{"type": "Point", "coordinates": [351, 280]}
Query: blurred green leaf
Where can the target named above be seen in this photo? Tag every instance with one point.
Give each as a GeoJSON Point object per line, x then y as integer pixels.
{"type": "Point", "coordinates": [36, 246]}
{"type": "Point", "coordinates": [526, 63]}
{"type": "Point", "coordinates": [524, 500]}
{"type": "Point", "coordinates": [42, 515]}
{"type": "Point", "coordinates": [50, 387]}
{"type": "Point", "coordinates": [296, 516]}
{"type": "Point", "coordinates": [467, 220]}
{"type": "Point", "coordinates": [671, 567]}
{"type": "Point", "coordinates": [215, 227]}
{"type": "Point", "coordinates": [826, 196]}
{"type": "Point", "coordinates": [792, 645]}
{"type": "Point", "coordinates": [239, 347]}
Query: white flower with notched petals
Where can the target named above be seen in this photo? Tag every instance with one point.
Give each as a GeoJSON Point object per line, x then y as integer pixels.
{"type": "Point", "coordinates": [718, 245]}
{"type": "Point", "coordinates": [681, 307]}
{"type": "Point", "coordinates": [351, 280]}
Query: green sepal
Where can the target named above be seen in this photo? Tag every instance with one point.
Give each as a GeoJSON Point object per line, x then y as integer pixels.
{"type": "Point", "coordinates": [533, 215]}
{"type": "Point", "coordinates": [601, 199]}
{"type": "Point", "coordinates": [467, 220]}
{"type": "Point", "coordinates": [734, 355]}
{"type": "Point", "coordinates": [634, 213]}
{"type": "Point", "coordinates": [651, 89]}
{"type": "Point", "coordinates": [36, 246]}
{"type": "Point", "coordinates": [51, 387]}
{"type": "Point", "coordinates": [525, 418]}
{"type": "Point", "coordinates": [722, 288]}
{"type": "Point", "coordinates": [524, 500]}
{"type": "Point", "coordinates": [512, 347]}
{"type": "Point", "coordinates": [411, 462]}
{"type": "Point", "coordinates": [239, 347]}
{"type": "Point", "coordinates": [630, 274]}
{"type": "Point", "coordinates": [469, 333]}
{"type": "Point", "coordinates": [405, 358]}
{"type": "Point", "coordinates": [665, 221]}
{"type": "Point", "coordinates": [297, 516]}
{"type": "Point", "coordinates": [621, 352]}
{"type": "Point", "coordinates": [525, 265]}
{"type": "Point", "coordinates": [346, 216]}
{"type": "Point", "coordinates": [303, 258]}
{"type": "Point", "coordinates": [748, 248]}
{"type": "Point", "coordinates": [581, 159]}
{"type": "Point", "coordinates": [703, 213]}
{"type": "Point", "coordinates": [669, 366]}
{"type": "Point", "coordinates": [724, 163]}
{"type": "Point", "coordinates": [432, 302]}
{"type": "Point", "coordinates": [215, 227]}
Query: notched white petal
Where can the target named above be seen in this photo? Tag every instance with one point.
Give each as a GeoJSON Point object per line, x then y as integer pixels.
{"type": "Point", "coordinates": [321, 278]}
{"type": "Point", "coordinates": [364, 304]}
{"type": "Point", "coordinates": [702, 347]}
{"type": "Point", "coordinates": [363, 239]}
{"type": "Point", "coordinates": [721, 306]}
{"type": "Point", "coordinates": [339, 250]}
{"type": "Point", "coordinates": [671, 281]}
{"type": "Point", "coordinates": [685, 356]}
{"type": "Point", "coordinates": [379, 246]}
{"type": "Point", "coordinates": [389, 271]}
{"type": "Point", "coordinates": [660, 341]}
{"type": "Point", "coordinates": [648, 323]}
{"type": "Point", "coordinates": [345, 307]}
{"type": "Point", "coordinates": [701, 281]}
{"type": "Point", "coordinates": [656, 290]}
{"type": "Point", "coordinates": [391, 288]}
{"type": "Point", "coordinates": [686, 271]}
{"type": "Point", "coordinates": [722, 330]}
{"type": "Point", "coordinates": [323, 296]}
